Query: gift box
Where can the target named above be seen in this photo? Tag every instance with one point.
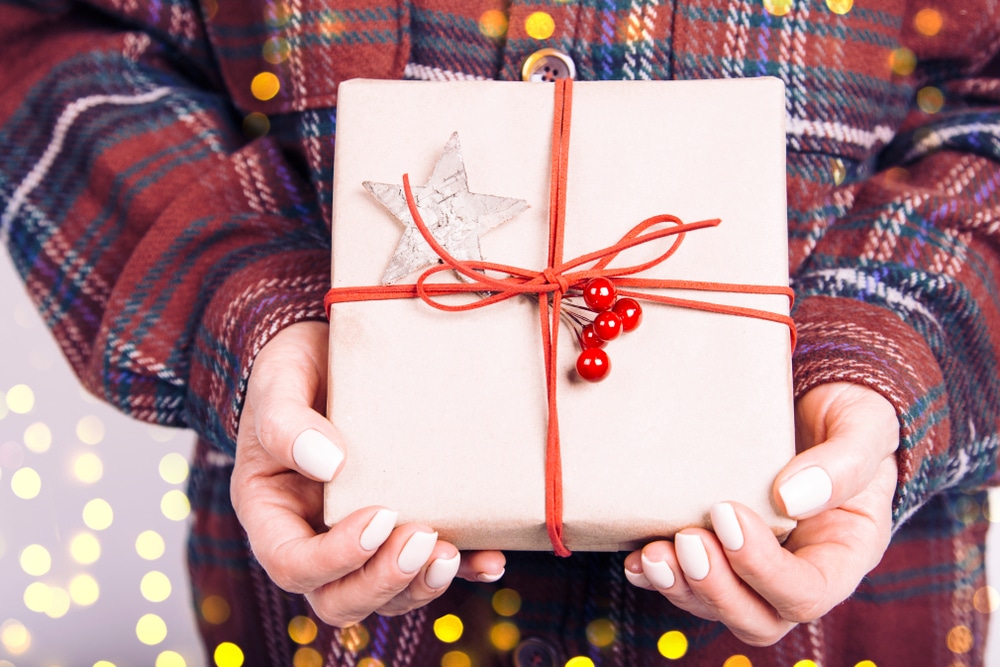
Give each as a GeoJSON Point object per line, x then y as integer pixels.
{"type": "Point", "coordinates": [446, 415]}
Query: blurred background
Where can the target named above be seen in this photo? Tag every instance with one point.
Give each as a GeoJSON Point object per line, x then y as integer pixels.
{"type": "Point", "coordinates": [93, 521]}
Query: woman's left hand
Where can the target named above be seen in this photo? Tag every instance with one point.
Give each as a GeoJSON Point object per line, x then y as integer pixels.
{"type": "Point", "coordinates": [840, 487]}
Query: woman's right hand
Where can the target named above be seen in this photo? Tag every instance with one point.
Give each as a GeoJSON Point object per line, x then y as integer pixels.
{"type": "Point", "coordinates": [285, 451]}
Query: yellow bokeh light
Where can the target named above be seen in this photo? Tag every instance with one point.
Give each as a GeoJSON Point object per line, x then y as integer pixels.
{"type": "Point", "coordinates": [173, 468]}
{"type": "Point", "coordinates": [838, 170]}
{"type": "Point", "coordinates": [930, 99]}
{"type": "Point", "coordinates": [97, 514]}
{"type": "Point", "coordinates": [85, 549]}
{"type": "Point", "coordinates": [601, 632]}
{"type": "Point", "coordinates": [37, 597]}
{"type": "Point", "coordinates": [672, 645]}
{"type": "Point", "coordinates": [276, 50]}
{"type": "Point", "coordinates": [59, 604]}
{"type": "Point", "coordinates": [15, 637]}
{"type": "Point", "coordinates": [175, 505]}
{"type": "Point", "coordinates": [215, 610]}
{"type": "Point", "coordinates": [777, 7]}
{"type": "Point", "coordinates": [960, 639]}
{"type": "Point", "coordinates": [159, 433]}
{"type": "Point", "coordinates": [88, 468]}
{"type": "Point", "coordinates": [737, 661]}
{"type": "Point", "coordinates": [986, 600]}
{"type": "Point", "coordinates": [20, 399]}
{"type": "Point", "coordinates": [355, 638]}
{"type": "Point", "coordinates": [90, 430]}
{"type": "Point", "coordinates": [580, 661]}
{"type": "Point", "coordinates": [104, 663]}
{"type": "Point", "coordinates": [456, 659]}
{"type": "Point", "coordinates": [278, 14]}
{"type": "Point", "coordinates": [155, 586]}
{"type": "Point", "coordinates": [35, 560]}
{"type": "Point", "coordinates": [84, 590]}
{"type": "Point", "coordinates": [302, 629]}
{"type": "Point", "coordinates": [228, 654]}
{"type": "Point", "coordinates": [805, 663]}
{"type": "Point", "coordinates": [26, 483]}
{"type": "Point", "coordinates": [265, 86]}
{"type": "Point", "coordinates": [866, 663]}
{"type": "Point", "coordinates": [493, 24]}
{"type": "Point", "coordinates": [902, 61]}
{"type": "Point", "coordinates": [306, 656]}
{"type": "Point", "coordinates": [928, 21]}
{"type": "Point", "coordinates": [539, 25]}
{"type": "Point", "coordinates": [170, 659]}
{"type": "Point", "coordinates": [839, 6]}
{"type": "Point", "coordinates": [448, 628]}
{"type": "Point", "coordinates": [149, 545]}
{"type": "Point", "coordinates": [504, 635]}
{"type": "Point", "coordinates": [150, 629]}
{"type": "Point", "coordinates": [38, 438]}
{"type": "Point", "coordinates": [506, 602]}
{"type": "Point", "coordinates": [371, 662]}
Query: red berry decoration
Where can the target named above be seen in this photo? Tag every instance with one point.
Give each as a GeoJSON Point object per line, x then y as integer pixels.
{"type": "Point", "coordinates": [589, 338]}
{"type": "Point", "coordinates": [593, 364]}
{"type": "Point", "coordinates": [599, 293]}
{"type": "Point", "coordinates": [608, 325]}
{"type": "Point", "coordinates": [630, 311]}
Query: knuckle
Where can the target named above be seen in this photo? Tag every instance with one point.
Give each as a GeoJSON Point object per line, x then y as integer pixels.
{"type": "Point", "coordinates": [805, 611]}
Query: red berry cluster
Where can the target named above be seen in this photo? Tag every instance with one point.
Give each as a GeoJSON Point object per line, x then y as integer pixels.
{"type": "Point", "coordinates": [614, 316]}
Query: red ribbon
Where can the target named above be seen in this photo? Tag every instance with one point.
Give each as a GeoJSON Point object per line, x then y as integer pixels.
{"type": "Point", "coordinates": [554, 281]}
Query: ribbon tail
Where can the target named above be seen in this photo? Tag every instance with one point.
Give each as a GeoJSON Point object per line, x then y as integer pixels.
{"type": "Point", "coordinates": [553, 454]}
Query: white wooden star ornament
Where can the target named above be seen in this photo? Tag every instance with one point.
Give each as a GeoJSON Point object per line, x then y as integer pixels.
{"type": "Point", "coordinates": [455, 216]}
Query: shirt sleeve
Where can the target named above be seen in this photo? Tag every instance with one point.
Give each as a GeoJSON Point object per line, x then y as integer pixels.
{"type": "Point", "coordinates": [161, 244]}
{"type": "Point", "coordinates": [902, 292]}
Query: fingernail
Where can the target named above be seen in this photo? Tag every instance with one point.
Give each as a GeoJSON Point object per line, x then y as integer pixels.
{"type": "Point", "coordinates": [416, 551]}
{"type": "Point", "coordinates": [658, 573]}
{"type": "Point", "coordinates": [805, 491]}
{"type": "Point", "coordinates": [316, 454]}
{"type": "Point", "coordinates": [442, 571]}
{"type": "Point", "coordinates": [488, 578]}
{"type": "Point", "coordinates": [727, 526]}
{"type": "Point", "coordinates": [378, 529]}
{"type": "Point", "coordinates": [638, 579]}
{"type": "Point", "coordinates": [692, 556]}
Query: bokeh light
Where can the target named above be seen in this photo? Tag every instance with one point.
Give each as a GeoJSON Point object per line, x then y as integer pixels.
{"type": "Point", "coordinates": [332, 24]}
{"type": "Point", "coordinates": [276, 50]}
{"type": "Point", "coordinates": [580, 661]}
{"type": "Point", "coordinates": [38, 438]}
{"type": "Point", "coordinates": [928, 21]}
{"type": "Point", "coordinates": [150, 629]}
{"type": "Point", "coordinates": [161, 433]}
{"type": "Point", "coordinates": [672, 645]}
{"type": "Point", "coordinates": [90, 430]}
{"type": "Point", "coordinates": [149, 545]}
{"type": "Point", "coordinates": [15, 637]}
{"type": "Point", "coordinates": [986, 600]}
{"type": "Point", "coordinates": [866, 663]}
{"type": "Point", "coordinates": [228, 654]}
{"type": "Point", "coordinates": [601, 632]}
{"type": "Point", "coordinates": [215, 610]}
{"type": "Point", "coordinates": [26, 483]}
{"type": "Point", "coordinates": [960, 639]}
{"type": "Point", "coordinates": [88, 468]}
{"type": "Point", "coordinates": [448, 628]}
{"type": "Point", "coordinates": [173, 468]}
{"type": "Point", "coordinates": [104, 663]}
{"type": "Point", "coordinates": [777, 7]}
{"type": "Point", "coordinates": [97, 514]}
{"type": "Point", "coordinates": [839, 6]}
{"type": "Point", "coordinates": [302, 629]}
{"type": "Point", "coordinates": [506, 602]}
{"type": "Point", "coordinates": [265, 86]}
{"type": "Point", "coordinates": [306, 656]}
{"type": "Point", "coordinates": [85, 549]}
{"type": "Point", "coordinates": [20, 399]}
{"type": "Point", "coordinates": [256, 125]}
{"type": "Point", "coordinates": [737, 661]}
{"type": "Point", "coordinates": [35, 560]}
{"type": "Point", "coordinates": [84, 590]}
{"type": "Point", "coordinates": [355, 638]}
{"type": "Point", "coordinates": [59, 604]}
{"type": "Point", "coordinates": [805, 663]}
{"type": "Point", "coordinates": [838, 170]}
{"type": "Point", "coordinates": [493, 24]}
{"type": "Point", "coordinates": [37, 597]}
{"type": "Point", "coordinates": [155, 586]}
{"type": "Point", "coordinates": [175, 505]}
{"type": "Point", "coordinates": [930, 99]}
{"type": "Point", "coordinates": [504, 635]}
{"type": "Point", "coordinates": [456, 659]}
{"type": "Point", "coordinates": [902, 61]}
{"type": "Point", "coordinates": [539, 25]}
{"type": "Point", "coordinates": [371, 662]}
{"type": "Point", "coordinates": [170, 659]}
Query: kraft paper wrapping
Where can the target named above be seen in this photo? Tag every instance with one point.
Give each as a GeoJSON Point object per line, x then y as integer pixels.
{"type": "Point", "coordinates": [444, 414]}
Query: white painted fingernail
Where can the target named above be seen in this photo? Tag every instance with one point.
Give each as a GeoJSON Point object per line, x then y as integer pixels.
{"type": "Point", "coordinates": [442, 571]}
{"type": "Point", "coordinates": [416, 551]}
{"type": "Point", "coordinates": [638, 579]}
{"type": "Point", "coordinates": [378, 529]}
{"type": "Point", "coordinates": [658, 573]}
{"type": "Point", "coordinates": [692, 556]}
{"type": "Point", "coordinates": [805, 491]}
{"type": "Point", "coordinates": [727, 526]}
{"type": "Point", "coordinates": [488, 578]}
{"type": "Point", "coordinates": [316, 454]}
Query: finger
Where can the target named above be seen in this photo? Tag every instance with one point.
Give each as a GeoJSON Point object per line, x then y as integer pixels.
{"type": "Point", "coordinates": [483, 566]}
{"type": "Point", "coordinates": [656, 568]}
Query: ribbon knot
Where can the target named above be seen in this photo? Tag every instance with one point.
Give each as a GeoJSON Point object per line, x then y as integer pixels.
{"type": "Point", "coordinates": [553, 277]}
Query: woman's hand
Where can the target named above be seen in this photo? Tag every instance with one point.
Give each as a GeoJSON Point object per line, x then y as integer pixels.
{"type": "Point", "coordinates": [840, 488]}
{"type": "Point", "coordinates": [285, 450]}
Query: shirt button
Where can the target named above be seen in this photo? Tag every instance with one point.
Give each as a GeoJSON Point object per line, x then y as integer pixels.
{"type": "Point", "coordinates": [548, 65]}
{"type": "Point", "coordinates": [534, 653]}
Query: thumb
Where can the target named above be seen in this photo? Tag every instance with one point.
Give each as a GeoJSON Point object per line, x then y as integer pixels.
{"type": "Point", "coordinates": [844, 432]}
{"type": "Point", "coordinates": [285, 388]}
